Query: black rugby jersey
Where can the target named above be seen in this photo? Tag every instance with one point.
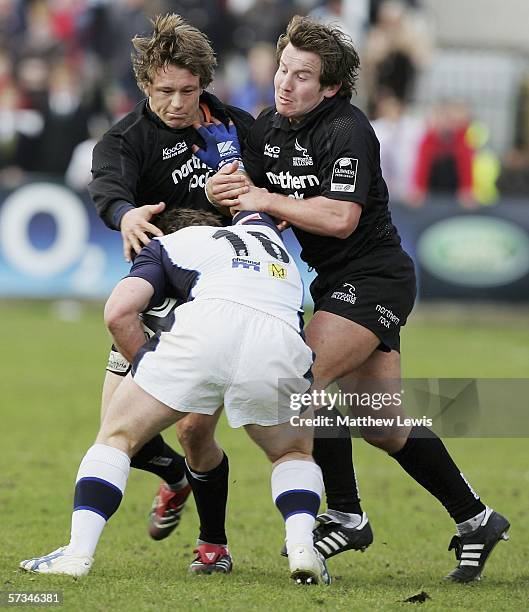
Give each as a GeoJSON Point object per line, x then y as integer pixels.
{"type": "Point", "coordinates": [332, 152]}
{"type": "Point", "coordinates": [140, 160]}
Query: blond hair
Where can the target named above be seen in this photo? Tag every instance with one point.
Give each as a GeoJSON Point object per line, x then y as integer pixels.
{"type": "Point", "coordinates": [173, 42]}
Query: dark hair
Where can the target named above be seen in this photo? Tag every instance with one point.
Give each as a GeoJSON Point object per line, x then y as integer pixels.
{"type": "Point", "coordinates": [339, 60]}
{"type": "Point", "coordinates": [178, 218]}
{"type": "Point", "coordinates": [173, 42]}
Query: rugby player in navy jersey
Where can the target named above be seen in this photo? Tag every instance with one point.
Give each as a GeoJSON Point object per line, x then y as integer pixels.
{"type": "Point", "coordinates": [141, 166]}
{"type": "Point", "coordinates": [313, 160]}
{"type": "Point", "coordinates": [236, 340]}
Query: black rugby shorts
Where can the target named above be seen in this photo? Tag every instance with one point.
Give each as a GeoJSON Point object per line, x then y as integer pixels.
{"type": "Point", "coordinates": [377, 291]}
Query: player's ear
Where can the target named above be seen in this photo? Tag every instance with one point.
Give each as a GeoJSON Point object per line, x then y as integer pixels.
{"type": "Point", "coordinates": [146, 88]}
{"type": "Point", "coordinates": [331, 90]}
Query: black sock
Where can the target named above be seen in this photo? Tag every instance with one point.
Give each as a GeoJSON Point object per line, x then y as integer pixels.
{"type": "Point", "coordinates": [210, 490]}
{"type": "Point", "coordinates": [158, 458]}
{"type": "Point", "coordinates": [426, 459]}
{"type": "Point", "coordinates": [333, 452]}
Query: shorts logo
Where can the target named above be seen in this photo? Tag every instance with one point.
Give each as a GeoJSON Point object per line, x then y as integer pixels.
{"type": "Point", "coordinates": [344, 174]}
{"type": "Point", "coordinates": [277, 271]}
{"type": "Point", "coordinates": [246, 264]}
{"type": "Point", "coordinates": [271, 151]}
{"type": "Point", "coordinates": [305, 160]}
{"type": "Point", "coordinates": [180, 147]}
{"type": "Point", "coordinates": [346, 296]}
{"type": "Point", "coordinates": [387, 316]}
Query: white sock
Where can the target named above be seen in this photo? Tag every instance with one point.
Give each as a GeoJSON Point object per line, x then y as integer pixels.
{"type": "Point", "coordinates": [297, 487]}
{"type": "Point", "coordinates": [107, 469]}
{"type": "Point", "coordinates": [298, 530]}
{"type": "Point", "coordinates": [473, 523]}
{"type": "Point", "coordinates": [347, 519]}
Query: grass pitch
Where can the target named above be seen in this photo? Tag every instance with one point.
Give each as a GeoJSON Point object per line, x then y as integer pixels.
{"type": "Point", "coordinates": [52, 371]}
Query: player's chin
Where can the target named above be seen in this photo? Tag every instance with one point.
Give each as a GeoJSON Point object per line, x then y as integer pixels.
{"type": "Point", "coordinates": [177, 123]}
{"type": "Point", "coordinates": [284, 108]}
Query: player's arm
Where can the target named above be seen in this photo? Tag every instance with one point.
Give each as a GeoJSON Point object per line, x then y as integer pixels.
{"type": "Point", "coordinates": [130, 297]}
{"type": "Point", "coordinates": [142, 289]}
{"type": "Point", "coordinates": [330, 214]}
{"type": "Point", "coordinates": [116, 167]}
{"type": "Point", "coordinates": [318, 215]}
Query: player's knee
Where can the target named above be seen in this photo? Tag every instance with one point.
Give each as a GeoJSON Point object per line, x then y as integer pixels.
{"type": "Point", "coordinates": [194, 434]}
{"type": "Point", "coordinates": [299, 449]}
{"type": "Point", "coordinates": [291, 456]}
{"type": "Point", "coordinates": [390, 441]}
{"type": "Point", "coordinates": [323, 374]}
{"type": "Point", "coordinates": [118, 438]}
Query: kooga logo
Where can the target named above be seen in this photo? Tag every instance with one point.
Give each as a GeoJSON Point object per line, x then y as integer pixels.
{"type": "Point", "coordinates": [180, 147]}
{"type": "Point", "coordinates": [271, 151]}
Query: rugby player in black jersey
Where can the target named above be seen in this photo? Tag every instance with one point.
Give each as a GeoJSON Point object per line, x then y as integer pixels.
{"type": "Point", "coordinates": [141, 166]}
{"type": "Point", "coordinates": [313, 161]}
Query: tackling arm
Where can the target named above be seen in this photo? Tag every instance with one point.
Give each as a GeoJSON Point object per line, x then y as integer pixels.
{"type": "Point", "coordinates": [318, 215]}
{"type": "Point", "coordinates": [130, 297]}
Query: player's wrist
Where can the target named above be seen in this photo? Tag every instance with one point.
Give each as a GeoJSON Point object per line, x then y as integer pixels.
{"type": "Point", "coordinates": [209, 196]}
{"type": "Point", "coordinates": [118, 210]}
{"type": "Point", "coordinates": [270, 203]}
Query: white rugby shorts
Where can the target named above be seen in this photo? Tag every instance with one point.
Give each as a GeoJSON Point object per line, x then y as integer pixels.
{"type": "Point", "coordinates": [221, 352]}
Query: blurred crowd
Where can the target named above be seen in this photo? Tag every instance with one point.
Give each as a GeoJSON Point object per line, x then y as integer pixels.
{"type": "Point", "coordinates": [65, 77]}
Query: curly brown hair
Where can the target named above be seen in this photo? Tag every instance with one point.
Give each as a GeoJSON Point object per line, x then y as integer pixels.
{"type": "Point", "coordinates": [339, 60]}
{"type": "Point", "coordinates": [173, 42]}
{"type": "Point", "coordinates": [177, 218]}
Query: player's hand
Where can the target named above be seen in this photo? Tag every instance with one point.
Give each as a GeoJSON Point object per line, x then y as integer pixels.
{"type": "Point", "coordinates": [222, 144]}
{"type": "Point", "coordinates": [252, 200]}
{"type": "Point", "coordinates": [283, 225]}
{"type": "Point", "coordinates": [135, 228]}
{"type": "Point", "coordinates": [225, 187]}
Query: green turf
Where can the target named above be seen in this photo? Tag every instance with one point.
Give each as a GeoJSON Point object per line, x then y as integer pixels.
{"type": "Point", "coordinates": [51, 377]}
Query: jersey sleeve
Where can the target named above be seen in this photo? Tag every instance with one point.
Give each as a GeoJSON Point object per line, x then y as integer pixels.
{"type": "Point", "coordinates": [148, 265]}
{"type": "Point", "coordinates": [163, 272]}
{"type": "Point", "coordinates": [115, 172]}
{"type": "Point", "coordinates": [347, 161]}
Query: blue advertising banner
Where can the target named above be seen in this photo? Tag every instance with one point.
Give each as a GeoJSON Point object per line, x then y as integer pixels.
{"type": "Point", "coordinates": [53, 244]}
